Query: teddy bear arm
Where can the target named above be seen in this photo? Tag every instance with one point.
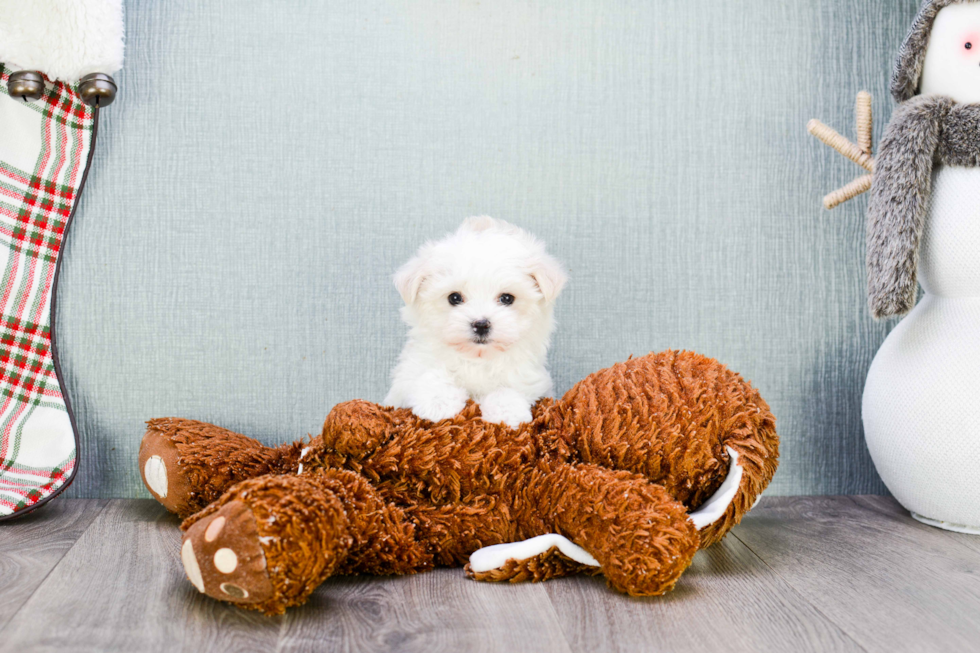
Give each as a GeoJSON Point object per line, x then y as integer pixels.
{"type": "Point", "coordinates": [358, 428]}
{"type": "Point", "coordinates": [187, 464]}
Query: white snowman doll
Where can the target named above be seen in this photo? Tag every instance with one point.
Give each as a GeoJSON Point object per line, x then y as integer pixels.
{"type": "Point", "coordinates": [921, 405]}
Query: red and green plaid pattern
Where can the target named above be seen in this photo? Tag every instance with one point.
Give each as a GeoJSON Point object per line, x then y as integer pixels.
{"type": "Point", "coordinates": [41, 175]}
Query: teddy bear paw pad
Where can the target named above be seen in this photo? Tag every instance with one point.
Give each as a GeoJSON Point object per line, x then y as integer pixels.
{"type": "Point", "coordinates": [223, 557]}
{"type": "Point", "coordinates": [159, 463]}
{"type": "Point", "coordinates": [155, 473]}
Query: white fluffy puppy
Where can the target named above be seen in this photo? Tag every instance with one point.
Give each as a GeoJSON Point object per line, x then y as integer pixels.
{"type": "Point", "coordinates": [479, 303]}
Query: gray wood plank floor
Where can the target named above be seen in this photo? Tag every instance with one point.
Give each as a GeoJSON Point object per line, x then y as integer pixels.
{"type": "Point", "coordinates": [799, 574]}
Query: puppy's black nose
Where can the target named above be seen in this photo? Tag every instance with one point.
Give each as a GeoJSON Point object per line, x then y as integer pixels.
{"type": "Point", "coordinates": [481, 328]}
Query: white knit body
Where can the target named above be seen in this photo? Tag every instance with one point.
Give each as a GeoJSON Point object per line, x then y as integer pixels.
{"type": "Point", "coordinates": [922, 398]}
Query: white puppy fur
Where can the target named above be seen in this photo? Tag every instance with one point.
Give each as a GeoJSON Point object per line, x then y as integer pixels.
{"type": "Point", "coordinates": [479, 304]}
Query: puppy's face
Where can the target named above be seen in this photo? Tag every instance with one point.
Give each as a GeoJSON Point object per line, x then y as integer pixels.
{"type": "Point", "coordinates": [479, 310]}
{"type": "Point", "coordinates": [481, 291]}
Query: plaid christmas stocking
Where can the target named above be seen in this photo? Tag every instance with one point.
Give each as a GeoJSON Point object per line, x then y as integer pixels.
{"type": "Point", "coordinates": [45, 152]}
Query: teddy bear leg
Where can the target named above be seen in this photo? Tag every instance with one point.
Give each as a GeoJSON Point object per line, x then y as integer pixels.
{"type": "Point", "coordinates": [269, 542]}
{"type": "Point", "coordinates": [524, 561]}
{"type": "Point", "coordinates": [187, 464]}
{"type": "Point", "coordinates": [640, 535]}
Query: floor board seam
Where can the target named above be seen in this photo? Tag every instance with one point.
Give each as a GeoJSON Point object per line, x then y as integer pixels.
{"type": "Point", "coordinates": [64, 555]}
{"type": "Point", "coordinates": [283, 629]}
{"type": "Point", "coordinates": [800, 594]}
{"type": "Point", "coordinates": [554, 614]}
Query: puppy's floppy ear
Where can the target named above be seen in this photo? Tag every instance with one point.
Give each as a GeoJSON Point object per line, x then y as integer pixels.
{"type": "Point", "coordinates": [484, 223]}
{"type": "Point", "coordinates": [478, 223]}
{"type": "Point", "coordinates": [549, 276]}
{"type": "Point", "coordinates": [409, 277]}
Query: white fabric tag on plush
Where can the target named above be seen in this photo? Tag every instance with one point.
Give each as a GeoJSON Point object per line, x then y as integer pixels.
{"type": "Point", "coordinates": [715, 507]}
{"type": "Point", "coordinates": [494, 557]}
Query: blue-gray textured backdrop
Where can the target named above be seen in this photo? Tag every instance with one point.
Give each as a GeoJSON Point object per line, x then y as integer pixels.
{"type": "Point", "coordinates": [268, 164]}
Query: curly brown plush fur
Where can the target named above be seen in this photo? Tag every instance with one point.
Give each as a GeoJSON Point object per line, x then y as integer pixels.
{"type": "Point", "coordinates": [211, 459]}
{"type": "Point", "coordinates": [615, 466]}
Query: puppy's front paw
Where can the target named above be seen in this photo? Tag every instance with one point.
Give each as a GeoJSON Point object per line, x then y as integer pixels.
{"type": "Point", "coordinates": [505, 406]}
{"type": "Point", "coordinates": [444, 405]}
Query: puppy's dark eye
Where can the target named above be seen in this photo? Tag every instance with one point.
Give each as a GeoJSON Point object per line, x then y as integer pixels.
{"type": "Point", "coordinates": [506, 299]}
{"type": "Point", "coordinates": [968, 46]}
{"type": "Point", "coordinates": [455, 299]}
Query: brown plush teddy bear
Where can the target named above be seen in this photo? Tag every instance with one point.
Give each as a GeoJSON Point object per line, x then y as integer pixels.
{"type": "Point", "coordinates": [603, 480]}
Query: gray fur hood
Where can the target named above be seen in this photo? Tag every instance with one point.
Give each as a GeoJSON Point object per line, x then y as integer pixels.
{"type": "Point", "coordinates": [908, 69]}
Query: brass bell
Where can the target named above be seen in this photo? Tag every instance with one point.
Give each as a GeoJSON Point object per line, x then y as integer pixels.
{"type": "Point", "coordinates": [97, 89]}
{"type": "Point", "coordinates": [27, 85]}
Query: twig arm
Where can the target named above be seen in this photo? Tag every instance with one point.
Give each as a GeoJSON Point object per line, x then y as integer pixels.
{"type": "Point", "coordinates": [857, 187]}
{"type": "Point", "coordinates": [833, 139]}
{"type": "Point", "coordinates": [865, 122]}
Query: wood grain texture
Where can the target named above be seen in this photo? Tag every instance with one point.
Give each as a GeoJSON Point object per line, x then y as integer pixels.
{"type": "Point", "coordinates": [889, 508]}
{"type": "Point", "coordinates": [729, 600]}
{"type": "Point", "coordinates": [440, 611]}
{"type": "Point", "coordinates": [891, 583]}
{"type": "Point", "coordinates": [809, 574]}
{"type": "Point", "coordinates": [122, 588]}
{"type": "Point", "coordinates": [232, 255]}
{"type": "Point", "coordinates": [32, 545]}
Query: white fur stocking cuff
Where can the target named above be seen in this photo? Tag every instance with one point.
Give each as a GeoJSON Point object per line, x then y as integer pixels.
{"type": "Point", "coordinates": [64, 39]}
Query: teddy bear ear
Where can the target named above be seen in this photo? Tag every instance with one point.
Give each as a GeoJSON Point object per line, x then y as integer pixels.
{"type": "Point", "coordinates": [549, 276]}
{"type": "Point", "coordinates": [409, 277]}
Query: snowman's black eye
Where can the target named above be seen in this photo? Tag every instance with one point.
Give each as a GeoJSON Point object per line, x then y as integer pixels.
{"type": "Point", "coordinates": [455, 299]}
{"type": "Point", "coordinates": [968, 46]}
